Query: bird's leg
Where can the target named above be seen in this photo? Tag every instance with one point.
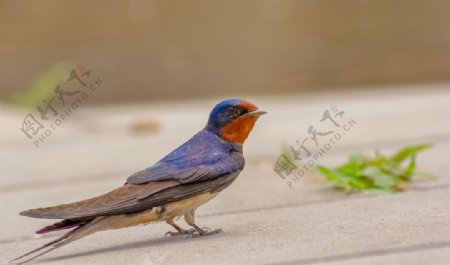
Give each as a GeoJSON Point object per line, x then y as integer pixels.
{"type": "Point", "coordinates": [180, 231]}
{"type": "Point", "coordinates": [190, 220]}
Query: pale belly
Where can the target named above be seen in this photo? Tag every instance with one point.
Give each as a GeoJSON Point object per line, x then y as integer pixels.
{"type": "Point", "coordinates": [178, 208]}
{"type": "Point", "coordinates": [168, 211]}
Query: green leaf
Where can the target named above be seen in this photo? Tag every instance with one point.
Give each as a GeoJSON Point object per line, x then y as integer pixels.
{"type": "Point", "coordinates": [380, 179]}
{"type": "Point", "coordinates": [411, 167]}
{"type": "Point", "coordinates": [338, 179]}
{"type": "Point", "coordinates": [43, 88]}
{"type": "Point", "coordinates": [404, 153]}
{"type": "Point", "coordinates": [379, 174]}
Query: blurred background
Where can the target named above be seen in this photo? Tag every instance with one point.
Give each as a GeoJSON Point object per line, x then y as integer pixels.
{"type": "Point", "coordinates": [147, 50]}
{"type": "Point", "coordinates": [160, 67]}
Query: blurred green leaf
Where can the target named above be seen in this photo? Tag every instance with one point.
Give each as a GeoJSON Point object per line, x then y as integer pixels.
{"type": "Point", "coordinates": [43, 88]}
{"type": "Point", "coordinates": [380, 174]}
{"type": "Point", "coordinates": [404, 153]}
{"type": "Point", "coordinates": [411, 167]}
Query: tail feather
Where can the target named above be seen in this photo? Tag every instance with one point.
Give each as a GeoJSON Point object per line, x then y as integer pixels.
{"type": "Point", "coordinates": [89, 227]}
{"type": "Point", "coordinates": [81, 231]}
{"type": "Point", "coordinates": [52, 245]}
{"type": "Point", "coordinates": [64, 224]}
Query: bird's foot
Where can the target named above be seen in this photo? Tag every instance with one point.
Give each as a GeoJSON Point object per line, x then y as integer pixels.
{"type": "Point", "coordinates": [205, 231]}
{"type": "Point", "coordinates": [181, 232]}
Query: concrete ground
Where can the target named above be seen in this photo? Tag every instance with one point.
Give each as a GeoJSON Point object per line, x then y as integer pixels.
{"type": "Point", "coordinates": [265, 219]}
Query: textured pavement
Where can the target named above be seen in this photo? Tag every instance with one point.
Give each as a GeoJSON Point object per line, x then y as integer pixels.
{"type": "Point", "coordinates": [265, 221]}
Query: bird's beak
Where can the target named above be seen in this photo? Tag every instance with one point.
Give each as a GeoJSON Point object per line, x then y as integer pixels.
{"type": "Point", "coordinates": [256, 113]}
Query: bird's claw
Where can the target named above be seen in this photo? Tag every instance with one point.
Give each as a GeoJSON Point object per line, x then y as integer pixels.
{"type": "Point", "coordinates": [206, 232]}
{"type": "Point", "coordinates": [189, 232]}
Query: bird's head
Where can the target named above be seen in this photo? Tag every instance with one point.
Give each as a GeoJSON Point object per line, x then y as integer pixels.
{"type": "Point", "coordinates": [233, 119]}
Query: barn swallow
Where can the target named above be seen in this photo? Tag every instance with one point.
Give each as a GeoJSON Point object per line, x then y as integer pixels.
{"type": "Point", "coordinates": [177, 185]}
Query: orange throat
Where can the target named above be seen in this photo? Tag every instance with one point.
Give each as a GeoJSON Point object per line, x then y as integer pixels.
{"type": "Point", "coordinates": [238, 130]}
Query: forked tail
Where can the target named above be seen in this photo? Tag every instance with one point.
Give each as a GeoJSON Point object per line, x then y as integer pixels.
{"type": "Point", "coordinates": [81, 231]}
{"type": "Point", "coordinates": [89, 227]}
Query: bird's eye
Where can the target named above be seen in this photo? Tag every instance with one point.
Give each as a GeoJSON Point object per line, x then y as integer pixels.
{"type": "Point", "coordinates": [234, 112]}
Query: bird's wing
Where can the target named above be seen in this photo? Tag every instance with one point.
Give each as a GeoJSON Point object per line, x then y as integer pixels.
{"type": "Point", "coordinates": [119, 200]}
{"type": "Point", "coordinates": [132, 198]}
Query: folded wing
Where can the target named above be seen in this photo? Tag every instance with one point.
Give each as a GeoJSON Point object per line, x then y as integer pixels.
{"type": "Point", "coordinates": [132, 198]}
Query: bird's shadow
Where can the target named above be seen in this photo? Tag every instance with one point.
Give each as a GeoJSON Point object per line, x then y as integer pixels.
{"type": "Point", "coordinates": [140, 244]}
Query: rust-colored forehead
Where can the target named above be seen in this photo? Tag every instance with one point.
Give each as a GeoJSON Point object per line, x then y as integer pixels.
{"type": "Point", "coordinates": [247, 105]}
